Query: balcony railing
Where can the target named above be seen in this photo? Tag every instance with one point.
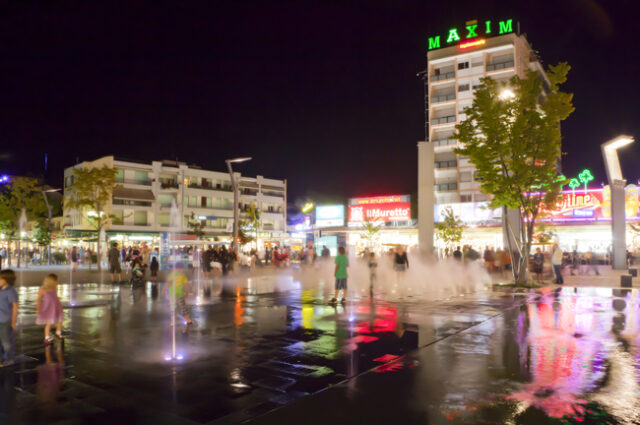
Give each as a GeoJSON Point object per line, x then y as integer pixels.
{"type": "Point", "coordinates": [210, 187]}
{"type": "Point", "coordinates": [446, 164]}
{"type": "Point", "coordinates": [500, 65]}
{"type": "Point", "coordinates": [165, 206]}
{"type": "Point", "coordinates": [130, 202]}
{"type": "Point", "coordinates": [135, 181]}
{"type": "Point", "coordinates": [444, 76]}
{"type": "Point", "coordinates": [443, 98]}
{"type": "Point", "coordinates": [168, 184]}
{"type": "Point", "coordinates": [444, 120]}
{"type": "Point", "coordinates": [443, 187]}
{"type": "Point", "coordinates": [444, 142]}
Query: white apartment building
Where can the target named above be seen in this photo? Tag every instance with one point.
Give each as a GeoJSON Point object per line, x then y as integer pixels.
{"type": "Point", "coordinates": [142, 201]}
{"type": "Point", "coordinates": [454, 69]}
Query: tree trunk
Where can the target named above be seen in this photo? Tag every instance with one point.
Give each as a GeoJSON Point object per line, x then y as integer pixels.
{"type": "Point", "coordinates": [98, 252]}
{"type": "Point", "coordinates": [19, 253]}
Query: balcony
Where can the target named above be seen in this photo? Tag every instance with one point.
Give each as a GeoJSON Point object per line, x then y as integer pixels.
{"type": "Point", "coordinates": [444, 142]}
{"type": "Point", "coordinates": [210, 187]}
{"type": "Point", "coordinates": [165, 205]}
{"type": "Point", "coordinates": [169, 184]}
{"type": "Point", "coordinates": [443, 98]}
{"type": "Point", "coordinates": [445, 187]}
{"type": "Point", "coordinates": [444, 120]}
{"type": "Point", "coordinates": [135, 181]}
{"type": "Point", "coordinates": [440, 77]}
{"type": "Point", "coordinates": [129, 202]}
{"type": "Point", "coordinates": [499, 65]}
{"type": "Point", "coordinates": [446, 164]}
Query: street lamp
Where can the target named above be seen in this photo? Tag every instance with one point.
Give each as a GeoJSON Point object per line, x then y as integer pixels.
{"type": "Point", "coordinates": [49, 208]}
{"type": "Point", "coordinates": [507, 94]}
{"type": "Point", "coordinates": [236, 195]}
{"type": "Point", "coordinates": [617, 183]}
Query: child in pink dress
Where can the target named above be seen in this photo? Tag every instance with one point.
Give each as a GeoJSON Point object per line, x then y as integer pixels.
{"type": "Point", "coordinates": [49, 308]}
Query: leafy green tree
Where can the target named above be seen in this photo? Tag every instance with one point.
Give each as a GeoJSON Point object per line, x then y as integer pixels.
{"type": "Point", "coordinates": [21, 193]}
{"type": "Point", "coordinates": [90, 194]}
{"type": "Point", "coordinates": [514, 142]}
{"type": "Point", "coordinates": [41, 233]}
{"type": "Point", "coordinates": [369, 231]}
{"type": "Point", "coordinates": [450, 229]}
{"type": "Point", "coordinates": [195, 226]}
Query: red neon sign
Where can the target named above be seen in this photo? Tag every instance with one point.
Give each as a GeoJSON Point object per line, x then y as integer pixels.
{"type": "Point", "coordinates": [473, 43]}
{"type": "Point", "coordinates": [392, 211]}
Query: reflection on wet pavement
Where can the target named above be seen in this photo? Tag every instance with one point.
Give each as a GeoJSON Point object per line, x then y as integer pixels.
{"type": "Point", "coordinates": [566, 356]}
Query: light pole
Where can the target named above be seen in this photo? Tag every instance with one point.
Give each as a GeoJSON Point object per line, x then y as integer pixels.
{"type": "Point", "coordinates": [49, 208]}
{"type": "Point", "coordinates": [617, 183]}
{"type": "Point", "coordinates": [236, 196]}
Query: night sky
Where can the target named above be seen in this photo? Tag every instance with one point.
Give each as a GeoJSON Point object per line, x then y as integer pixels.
{"type": "Point", "coordinates": [322, 94]}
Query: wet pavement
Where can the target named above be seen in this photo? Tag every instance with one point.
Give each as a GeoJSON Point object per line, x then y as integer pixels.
{"type": "Point", "coordinates": [564, 356]}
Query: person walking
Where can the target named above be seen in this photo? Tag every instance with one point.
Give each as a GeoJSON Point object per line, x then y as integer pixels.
{"type": "Point", "coordinates": [457, 254]}
{"type": "Point", "coordinates": [340, 273]}
{"type": "Point", "coordinates": [74, 259]}
{"type": "Point", "coordinates": [8, 315]}
{"type": "Point", "coordinates": [489, 259]}
{"type": "Point", "coordinates": [49, 308]}
{"type": "Point", "coordinates": [538, 263]}
{"type": "Point", "coordinates": [114, 263]}
{"type": "Point", "coordinates": [556, 262]}
{"type": "Point", "coordinates": [373, 269]}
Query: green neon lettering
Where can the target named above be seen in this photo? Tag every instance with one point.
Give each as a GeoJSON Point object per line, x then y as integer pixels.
{"type": "Point", "coordinates": [453, 35]}
{"type": "Point", "coordinates": [434, 42]}
{"type": "Point", "coordinates": [488, 29]}
{"type": "Point", "coordinates": [506, 27]}
{"type": "Point", "coordinates": [472, 30]}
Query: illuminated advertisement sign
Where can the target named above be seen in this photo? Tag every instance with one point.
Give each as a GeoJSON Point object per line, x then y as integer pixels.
{"type": "Point", "coordinates": [469, 212]}
{"type": "Point", "coordinates": [330, 215]}
{"type": "Point", "coordinates": [380, 208]}
{"type": "Point", "coordinates": [473, 34]}
{"type": "Point", "coordinates": [591, 205]}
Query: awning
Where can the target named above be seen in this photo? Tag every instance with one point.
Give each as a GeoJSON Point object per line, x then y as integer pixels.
{"type": "Point", "coordinates": [133, 194]}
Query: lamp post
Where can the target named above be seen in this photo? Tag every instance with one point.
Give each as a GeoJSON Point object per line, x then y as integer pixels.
{"type": "Point", "coordinates": [617, 183]}
{"type": "Point", "coordinates": [236, 196]}
{"type": "Point", "coordinates": [49, 209]}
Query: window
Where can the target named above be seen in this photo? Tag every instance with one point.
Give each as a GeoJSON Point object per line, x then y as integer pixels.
{"type": "Point", "coordinates": [119, 175]}
{"type": "Point", "coordinates": [465, 176]}
{"type": "Point", "coordinates": [140, 218]}
{"type": "Point", "coordinates": [475, 86]}
{"type": "Point", "coordinates": [209, 203]}
{"type": "Point", "coordinates": [163, 220]}
{"type": "Point", "coordinates": [436, 71]}
{"type": "Point", "coordinates": [141, 177]}
{"type": "Point", "coordinates": [463, 87]}
{"type": "Point", "coordinates": [118, 217]}
{"type": "Point", "coordinates": [193, 201]}
{"type": "Point", "coordinates": [203, 201]}
{"type": "Point", "coordinates": [481, 197]}
{"type": "Point", "coordinates": [465, 198]}
{"type": "Point", "coordinates": [463, 65]}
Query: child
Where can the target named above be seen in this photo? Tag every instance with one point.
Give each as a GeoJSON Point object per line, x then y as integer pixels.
{"type": "Point", "coordinates": [49, 308]}
{"type": "Point", "coordinates": [342, 262]}
{"type": "Point", "coordinates": [373, 267]}
{"type": "Point", "coordinates": [8, 314]}
{"type": "Point", "coordinates": [179, 285]}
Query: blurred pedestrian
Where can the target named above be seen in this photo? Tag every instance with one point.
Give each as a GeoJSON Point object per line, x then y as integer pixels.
{"type": "Point", "coordinates": [340, 273]}
{"type": "Point", "coordinates": [556, 262]}
{"type": "Point", "coordinates": [8, 315]}
{"type": "Point", "coordinates": [114, 263]}
{"type": "Point", "coordinates": [49, 308]}
{"type": "Point", "coordinates": [538, 264]}
{"type": "Point", "coordinates": [373, 271]}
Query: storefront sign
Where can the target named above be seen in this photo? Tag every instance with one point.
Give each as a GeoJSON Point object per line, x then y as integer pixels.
{"type": "Point", "coordinates": [380, 208]}
{"type": "Point", "coordinates": [330, 215]}
{"type": "Point", "coordinates": [469, 36]}
{"type": "Point", "coordinates": [591, 205]}
{"type": "Point", "coordinates": [470, 213]}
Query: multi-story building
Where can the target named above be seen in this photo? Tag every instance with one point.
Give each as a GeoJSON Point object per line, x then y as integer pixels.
{"type": "Point", "coordinates": [142, 202]}
{"type": "Point", "coordinates": [456, 61]}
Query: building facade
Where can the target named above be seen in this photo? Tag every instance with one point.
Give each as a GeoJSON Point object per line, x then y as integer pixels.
{"type": "Point", "coordinates": [455, 66]}
{"type": "Point", "coordinates": [142, 202]}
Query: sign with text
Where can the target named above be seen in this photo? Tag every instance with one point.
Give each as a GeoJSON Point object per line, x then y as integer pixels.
{"type": "Point", "coordinates": [469, 212]}
{"type": "Point", "coordinates": [591, 205]}
{"type": "Point", "coordinates": [380, 208]}
{"type": "Point", "coordinates": [330, 215]}
{"type": "Point", "coordinates": [472, 34]}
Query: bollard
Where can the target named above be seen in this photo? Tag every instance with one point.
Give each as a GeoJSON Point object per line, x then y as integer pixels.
{"type": "Point", "coordinates": [633, 272]}
{"type": "Point", "coordinates": [625, 280]}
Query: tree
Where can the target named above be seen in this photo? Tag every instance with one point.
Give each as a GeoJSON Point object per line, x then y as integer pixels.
{"type": "Point", "coordinates": [370, 231]}
{"type": "Point", "coordinates": [251, 224]}
{"type": "Point", "coordinates": [21, 193]}
{"type": "Point", "coordinates": [450, 229]}
{"type": "Point", "coordinates": [514, 142]}
{"type": "Point", "coordinates": [195, 226]}
{"type": "Point", "coordinates": [91, 194]}
{"type": "Point", "coordinates": [41, 233]}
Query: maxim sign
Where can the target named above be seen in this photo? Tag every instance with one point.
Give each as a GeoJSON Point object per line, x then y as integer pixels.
{"type": "Point", "coordinates": [471, 35]}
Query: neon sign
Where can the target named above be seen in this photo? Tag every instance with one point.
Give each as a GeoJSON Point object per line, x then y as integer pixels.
{"type": "Point", "coordinates": [471, 31]}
